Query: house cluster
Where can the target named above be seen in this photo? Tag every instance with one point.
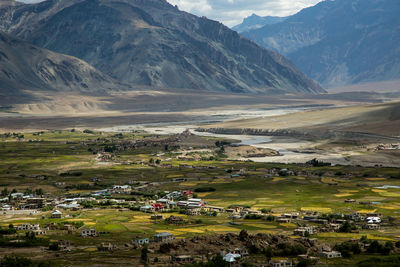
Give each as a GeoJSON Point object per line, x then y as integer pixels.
{"type": "Point", "coordinates": [285, 262]}
{"type": "Point", "coordinates": [388, 147]}
{"type": "Point", "coordinates": [233, 257]}
{"type": "Point", "coordinates": [312, 260]}
{"type": "Point", "coordinates": [137, 186]}
{"type": "Point", "coordinates": [278, 172]}
{"type": "Point", "coordinates": [196, 167]}
{"type": "Point", "coordinates": [370, 221]}
{"type": "Point", "coordinates": [89, 232]}
{"type": "Point", "coordinates": [280, 263]}
{"type": "Point", "coordinates": [304, 231]}
{"type": "Point", "coordinates": [157, 238]}
{"type": "Point", "coordinates": [192, 205]}
{"type": "Point", "coordinates": [32, 228]}
{"type": "Point", "coordinates": [237, 212]}
{"type": "Point", "coordinates": [20, 201]}
{"type": "Point", "coordinates": [116, 189]}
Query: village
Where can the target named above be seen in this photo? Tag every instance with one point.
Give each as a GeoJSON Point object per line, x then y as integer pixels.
{"type": "Point", "coordinates": [167, 201]}
{"type": "Point", "coordinates": [184, 202]}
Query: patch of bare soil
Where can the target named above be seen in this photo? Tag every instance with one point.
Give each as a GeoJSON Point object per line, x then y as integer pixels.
{"type": "Point", "coordinates": [249, 152]}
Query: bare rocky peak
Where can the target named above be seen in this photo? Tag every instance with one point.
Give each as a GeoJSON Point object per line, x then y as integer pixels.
{"type": "Point", "coordinates": [27, 67]}
{"type": "Point", "coordinates": [152, 43]}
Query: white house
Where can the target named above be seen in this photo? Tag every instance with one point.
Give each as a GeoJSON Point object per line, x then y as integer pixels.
{"type": "Point", "coordinates": [331, 254]}
{"type": "Point", "coordinates": [280, 263]}
{"type": "Point", "coordinates": [88, 232]}
{"type": "Point", "coordinates": [140, 242]}
{"type": "Point", "coordinates": [56, 214]}
{"type": "Point", "coordinates": [232, 259]}
{"type": "Point", "coordinates": [373, 220]}
{"type": "Point", "coordinates": [163, 237]}
{"type": "Point", "coordinates": [27, 227]}
{"type": "Point", "coordinates": [122, 188]}
{"type": "Point", "coordinates": [303, 231]}
{"type": "Point", "coordinates": [147, 208]}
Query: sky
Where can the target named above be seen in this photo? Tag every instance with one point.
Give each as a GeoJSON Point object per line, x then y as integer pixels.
{"type": "Point", "coordinates": [232, 12]}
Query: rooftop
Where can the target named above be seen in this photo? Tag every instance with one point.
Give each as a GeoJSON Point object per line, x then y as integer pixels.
{"type": "Point", "coordinates": [163, 234]}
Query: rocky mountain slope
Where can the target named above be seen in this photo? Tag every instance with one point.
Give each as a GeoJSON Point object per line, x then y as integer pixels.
{"type": "Point", "coordinates": [152, 43]}
{"type": "Point", "coordinates": [255, 22]}
{"type": "Point", "coordinates": [27, 67]}
{"type": "Point", "coordinates": [340, 42]}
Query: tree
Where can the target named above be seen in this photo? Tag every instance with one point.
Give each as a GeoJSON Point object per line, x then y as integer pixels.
{"type": "Point", "coordinates": [389, 246]}
{"type": "Point", "coordinates": [270, 218]}
{"type": "Point", "coordinates": [243, 235]}
{"type": "Point", "coordinates": [269, 253]}
{"type": "Point", "coordinates": [346, 227]}
{"type": "Point", "coordinates": [302, 264]}
{"type": "Point", "coordinates": [143, 255]}
{"type": "Point", "coordinates": [348, 249]}
{"type": "Point", "coordinates": [264, 210]}
{"type": "Point", "coordinates": [15, 261]}
{"type": "Point", "coordinates": [217, 261]}
{"type": "Point", "coordinates": [374, 247]}
{"type": "Point", "coordinates": [39, 192]}
{"type": "Point", "coordinates": [158, 161]}
{"type": "Point", "coordinates": [5, 192]}
{"type": "Point", "coordinates": [28, 191]}
{"type": "Point", "coordinates": [54, 246]}
{"type": "Point", "coordinates": [151, 160]}
{"type": "Point", "coordinates": [364, 239]}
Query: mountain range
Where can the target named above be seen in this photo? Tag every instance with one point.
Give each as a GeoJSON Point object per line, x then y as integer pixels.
{"type": "Point", "coordinates": [255, 22]}
{"type": "Point", "coordinates": [24, 66]}
{"type": "Point", "coordinates": [339, 42]}
{"type": "Point", "coordinates": [152, 43]}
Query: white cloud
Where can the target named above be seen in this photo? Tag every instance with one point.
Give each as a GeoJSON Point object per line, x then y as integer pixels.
{"type": "Point", "coordinates": [232, 12]}
{"type": "Point", "coordinates": [30, 1]}
{"type": "Point", "coordinates": [199, 6]}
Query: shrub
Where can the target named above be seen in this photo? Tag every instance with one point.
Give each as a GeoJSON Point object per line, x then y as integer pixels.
{"type": "Point", "coordinates": [8, 231]}
{"type": "Point", "coordinates": [253, 216]}
{"type": "Point", "coordinates": [348, 249]}
{"type": "Point", "coordinates": [287, 249]}
{"type": "Point", "coordinates": [317, 163]}
{"type": "Point", "coordinates": [347, 227]}
{"type": "Point", "coordinates": [264, 210]}
{"type": "Point", "coordinates": [205, 189]}
{"type": "Point", "coordinates": [380, 262]}
{"type": "Point", "coordinates": [54, 246]}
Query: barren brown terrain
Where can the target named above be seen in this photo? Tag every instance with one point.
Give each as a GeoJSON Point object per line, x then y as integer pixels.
{"type": "Point", "coordinates": [378, 119]}
{"type": "Point", "coordinates": [55, 110]}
